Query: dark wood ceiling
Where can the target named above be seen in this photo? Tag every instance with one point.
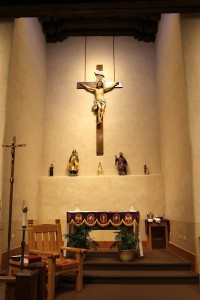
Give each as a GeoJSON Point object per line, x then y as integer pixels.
{"type": "Point", "coordinates": [139, 19]}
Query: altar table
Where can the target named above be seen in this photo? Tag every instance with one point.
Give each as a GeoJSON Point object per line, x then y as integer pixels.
{"type": "Point", "coordinates": [103, 219]}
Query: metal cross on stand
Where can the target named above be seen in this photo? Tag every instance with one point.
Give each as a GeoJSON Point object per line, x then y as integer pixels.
{"type": "Point", "coordinates": [99, 88]}
{"type": "Point", "coordinates": [12, 146]}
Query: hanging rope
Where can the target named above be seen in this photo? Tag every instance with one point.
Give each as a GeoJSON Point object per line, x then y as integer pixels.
{"type": "Point", "coordinates": [114, 56]}
{"type": "Point", "coordinates": [85, 58]}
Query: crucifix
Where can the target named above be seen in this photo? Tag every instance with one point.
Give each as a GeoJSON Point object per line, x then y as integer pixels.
{"type": "Point", "coordinates": [13, 145]}
{"type": "Point", "coordinates": [99, 88]}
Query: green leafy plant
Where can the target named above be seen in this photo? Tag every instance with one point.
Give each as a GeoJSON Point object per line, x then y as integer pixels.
{"type": "Point", "coordinates": [81, 238]}
{"type": "Point", "coordinates": [124, 239]}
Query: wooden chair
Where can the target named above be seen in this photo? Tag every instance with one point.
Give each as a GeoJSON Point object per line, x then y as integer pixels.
{"type": "Point", "coordinates": [45, 240]}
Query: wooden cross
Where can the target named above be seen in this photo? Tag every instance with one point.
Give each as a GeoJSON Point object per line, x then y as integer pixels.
{"type": "Point", "coordinates": [99, 125]}
{"type": "Point", "coordinates": [12, 146]}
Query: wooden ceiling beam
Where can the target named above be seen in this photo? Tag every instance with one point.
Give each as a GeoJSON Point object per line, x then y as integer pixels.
{"type": "Point", "coordinates": [106, 24]}
{"type": "Point", "coordinates": [89, 17]}
{"type": "Point", "coordinates": [87, 8]}
{"type": "Point", "coordinates": [60, 37]}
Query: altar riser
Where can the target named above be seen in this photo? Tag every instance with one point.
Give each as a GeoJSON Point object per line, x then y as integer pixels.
{"type": "Point", "coordinates": [143, 280]}
{"type": "Point", "coordinates": [134, 267]}
{"type": "Point", "coordinates": [158, 266]}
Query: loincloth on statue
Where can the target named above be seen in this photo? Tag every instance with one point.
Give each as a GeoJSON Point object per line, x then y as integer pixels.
{"type": "Point", "coordinates": [101, 102]}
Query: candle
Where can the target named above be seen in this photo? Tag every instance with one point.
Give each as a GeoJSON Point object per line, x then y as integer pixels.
{"type": "Point", "coordinates": [24, 215]}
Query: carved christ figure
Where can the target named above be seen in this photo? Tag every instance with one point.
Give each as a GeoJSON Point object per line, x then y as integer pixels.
{"type": "Point", "coordinates": [99, 102]}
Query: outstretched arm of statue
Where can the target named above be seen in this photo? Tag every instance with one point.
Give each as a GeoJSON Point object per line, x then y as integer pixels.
{"type": "Point", "coordinates": [87, 87]}
{"type": "Point", "coordinates": [111, 87]}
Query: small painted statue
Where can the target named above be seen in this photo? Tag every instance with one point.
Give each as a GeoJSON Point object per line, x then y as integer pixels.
{"type": "Point", "coordinates": [121, 163]}
{"type": "Point", "coordinates": [73, 163]}
{"type": "Point", "coordinates": [51, 170]}
{"type": "Point", "coordinates": [100, 169]}
{"type": "Point", "coordinates": [146, 170]}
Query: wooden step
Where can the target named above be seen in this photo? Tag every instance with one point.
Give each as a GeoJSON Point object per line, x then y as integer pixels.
{"type": "Point", "coordinates": [152, 260]}
{"type": "Point", "coordinates": [159, 266]}
{"type": "Point", "coordinates": [117, 265]}
{"type": "Point", "coordinates": [140, 277]}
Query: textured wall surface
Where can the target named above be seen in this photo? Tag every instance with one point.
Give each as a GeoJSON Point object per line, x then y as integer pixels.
{"type": "Point", "coordinates": [6, 34]}
{"type": "Point", "coordinates": [191, 46]}
{"type": "Point", "coordinates": [130, 121]}
{"type": "Point", "coordinates": [24, 119]}
{"type": "Point", "coordinates": [175, 55]}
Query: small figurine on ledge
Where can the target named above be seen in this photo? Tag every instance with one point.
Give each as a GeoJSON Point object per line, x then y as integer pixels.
{"type": "Point", "coordinates": [121, 163]}
{"type": "Point", "coordinates": [100, 169]}
{"type": "Point", "coordinates": [51, 170]}
{"type": "Point", "coordinates": [146, 170]}
{"type": "Point", "coordinates": [73, 163]}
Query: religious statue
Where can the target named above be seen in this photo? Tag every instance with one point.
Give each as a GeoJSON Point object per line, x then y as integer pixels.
{"type": "Point", "coordinates": [98, 88]}
{"type": "Point", "coordinates": [146, 170]}
{"type": "Point", "coordinates": [100, 169]}
{"type": "Point", "coordinates": [121, 163]}
{"type": "Point", "coordinates": [73, 163]}
{"type": "Point", "coordinates": [51, 170]}
{"type": "Point", "coordinates": [99, 102]}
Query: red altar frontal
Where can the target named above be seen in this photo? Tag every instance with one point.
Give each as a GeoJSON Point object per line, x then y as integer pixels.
{"type": "Point", "coordinates": [103, 219]}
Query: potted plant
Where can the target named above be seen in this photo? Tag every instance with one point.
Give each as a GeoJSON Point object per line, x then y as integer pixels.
{"type": "Point", "coordinates": [126, 242]}
{"type": "Point", "coordinates": [81, 238]}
